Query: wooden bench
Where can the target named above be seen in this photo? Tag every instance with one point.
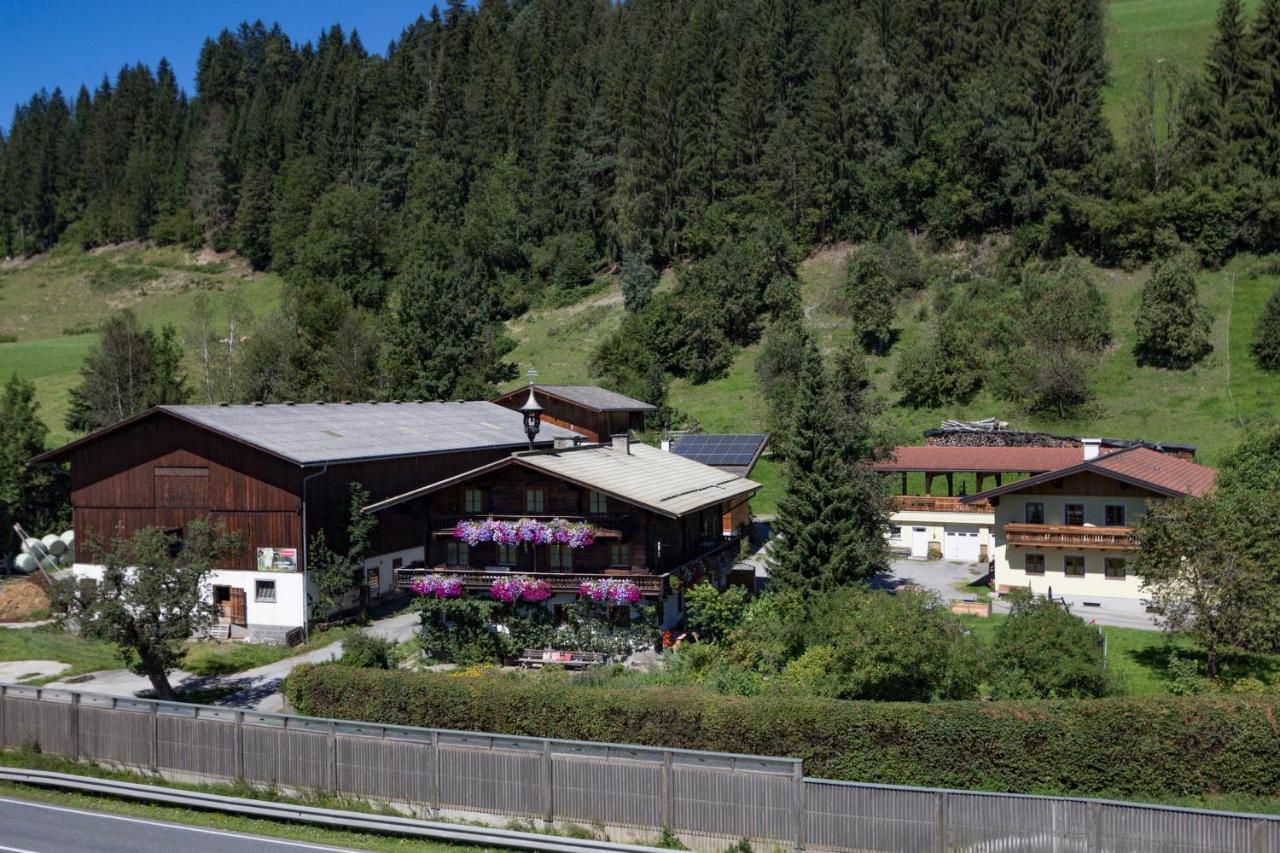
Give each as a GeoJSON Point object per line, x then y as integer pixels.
{"type": "Point", "coordinates": [538, 658]}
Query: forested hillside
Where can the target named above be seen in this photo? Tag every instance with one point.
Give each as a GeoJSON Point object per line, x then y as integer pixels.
{"type": "Point", "coordinates": [519, 173]}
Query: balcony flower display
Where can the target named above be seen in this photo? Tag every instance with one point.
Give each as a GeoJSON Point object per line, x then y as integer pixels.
{"type": "Point", "coordinates": [439, 586]}
{"type": "Point", "coordinates": [574, 534]}
{"type": "Point", "coordinates": [610, 591]}
{"type": "Point", "coordinates": [518, 588]}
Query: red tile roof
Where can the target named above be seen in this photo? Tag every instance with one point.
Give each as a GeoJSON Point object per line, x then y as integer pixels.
{"type": "Point", "coordinates": [1030, 460]}
{"type": "Point", "coordinates": [1161, 470]}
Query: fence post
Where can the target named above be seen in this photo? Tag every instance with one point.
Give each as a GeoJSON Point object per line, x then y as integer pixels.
{"type": "Point", "coordinates": [153, 755]}
{"type": "Point", "coordinates": [801, 810]}
{"type": "Point", "coordinates": [1095, 817]}
{"type": "Point", "coordinates": [548, 782]}
{"type": "Point", "coordinates": [239, 746]}
{"type": "Point", "coordinates": [435, 773]}
{"type": "Point", "coordinates": [75, 727]}
{"type": "Point", "coordinates": [1258, 837]}
{"type": "Point", "coordinates": [333, 756]}
{"type": "Point", "coordinates": [940, 822]}
{"type": "Point", "coordinates": [666, 811]}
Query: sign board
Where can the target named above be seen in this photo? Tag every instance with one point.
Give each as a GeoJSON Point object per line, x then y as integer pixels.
{"type": "Point", "coordinates": [277, 559]}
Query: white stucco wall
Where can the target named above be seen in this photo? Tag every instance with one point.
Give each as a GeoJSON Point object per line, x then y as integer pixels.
{"type": "Point", "coordinates": [936, 523]}
{"type": "Point", "coordinates": [1010, 560]}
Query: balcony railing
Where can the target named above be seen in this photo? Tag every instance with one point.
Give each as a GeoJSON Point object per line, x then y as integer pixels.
{"type": "Point", "coordinates": [561, 582]}
{"type": "Point", "coordinates": [606, 526]}
{"type": "Point", "coordinates": [1071, 536]}
{"type": "Point", "coordinates": [929, 503]}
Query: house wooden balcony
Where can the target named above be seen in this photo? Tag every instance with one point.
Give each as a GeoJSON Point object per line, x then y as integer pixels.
{"type": "Point", "coordinates": [605, 526]}
{"type": "Point", "coordinates": [561, 582]}
{"type": "Point", "coordinates": [929, 503]}
{"type": "Point", "coordinates": [1076, 537]}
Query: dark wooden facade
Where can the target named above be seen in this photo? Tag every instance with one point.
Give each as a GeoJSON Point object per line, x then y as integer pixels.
{"type": "Point", "coordinates": [651, 543]}
{"type": "Point", "coordinates": [594, 425]}
{"type": "Point", "coordinates": [163, 471]}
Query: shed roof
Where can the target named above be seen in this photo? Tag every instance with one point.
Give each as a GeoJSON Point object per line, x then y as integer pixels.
{"type": "Point", "coordinates": [315, 433]}
{"type": "Point", "coordinates": [934, 459]}
{"type": "Point", "coordinates": [591, 397]}
{"type": "Point", "coordinates": [1162, 473]}
{"type": "Point", "coordinates": [645, 476]}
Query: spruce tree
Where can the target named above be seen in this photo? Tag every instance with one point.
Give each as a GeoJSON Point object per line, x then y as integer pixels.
{"type": "Point", "coordinates": [1266, 335]}
{"type": "Point", "coordinates": [1172, 325]}
{"type": "Point", "coordinates": [1263, 88]}
{"type": "Point", "coordinates": [832, 518]}
{"type": "Point", "coordinates": [1226, 73]}
{"type": "Point", "coordinates": [35, 496]}
{"type": "Point", "coordinates": [869, 294]}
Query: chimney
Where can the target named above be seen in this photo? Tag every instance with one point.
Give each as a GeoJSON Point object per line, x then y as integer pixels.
{"type": "Point", "coordinates": [1092, 448]}
{"type": "Point", "coordinates": [666, 445]}
{"type": "Point", "coordinates": [621, 441]}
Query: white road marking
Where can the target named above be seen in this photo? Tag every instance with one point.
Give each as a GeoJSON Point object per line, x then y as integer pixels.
{"type": "Point", "coordinates": [166, 825]}
{"type": "Point", "coordinates": [15, 849]}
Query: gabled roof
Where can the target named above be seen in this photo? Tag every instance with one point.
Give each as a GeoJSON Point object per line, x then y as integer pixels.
{"type": "Point", "coordinates": [1138, 466]}
{"type": "Point", "coordinates": [315, 433]}
{"type": "Point", "coordinates": [935, 459]}
{"type": "Point", "coordinates": [645, 476]}
{"type": "Point", "coordinates": [591, 397]}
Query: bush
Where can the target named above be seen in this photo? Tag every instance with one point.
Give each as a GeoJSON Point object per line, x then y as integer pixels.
{"type": "Point", "coordinates": [1043, 651]}
{"type": "Point", "coordinates": [1266, 335]}
{"type": "Point", "coordinates": [712, 613]}
{"type": "Point", "coordinates": [1172, 325]}
{"type": "Point", "coordinates": [1149, 746]}
{"type": "Point", "coordinates": [948, 370]}
{"type": "Point", "coordinates": [365, 650]}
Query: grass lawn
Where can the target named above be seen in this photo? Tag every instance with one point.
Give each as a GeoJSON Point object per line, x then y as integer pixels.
{"type": "Point", "coordinates": [215, 658]}
{"type": "Point", "coordinates": [1139, 658]}
{"type": "Point", "coordinates": [49, 642]}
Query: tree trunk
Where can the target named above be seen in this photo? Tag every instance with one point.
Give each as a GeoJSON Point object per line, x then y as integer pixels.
{"type": "Point", "coordinates": [160, 683]}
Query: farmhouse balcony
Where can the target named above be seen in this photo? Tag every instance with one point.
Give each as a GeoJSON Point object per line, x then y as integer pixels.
{"type": "Point", "coordinates": [605, 526]}
{"type": "Point", "coordinates": [930, 503]}
{"type": "Point", "coordinates": [561, 582]}
{"type": "Point", "coordinates": [1071, 536]}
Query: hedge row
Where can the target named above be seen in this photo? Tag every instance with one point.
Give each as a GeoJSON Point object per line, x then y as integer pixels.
{"type": "Point", "coordinates": [1152, 746]}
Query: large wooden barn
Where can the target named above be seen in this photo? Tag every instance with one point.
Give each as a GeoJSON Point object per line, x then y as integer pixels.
{"type": "Point", "coordinates": [275, 474]}
{"type": "Point", "coordinates": [596, 413]}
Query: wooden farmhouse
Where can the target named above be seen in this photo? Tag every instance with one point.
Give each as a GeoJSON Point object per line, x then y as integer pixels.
{"type": "Point", "coordinates": [595, 413]}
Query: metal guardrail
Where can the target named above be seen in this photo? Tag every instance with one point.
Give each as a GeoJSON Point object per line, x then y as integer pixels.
{"type": "Point", "coordinates": [359, 821]}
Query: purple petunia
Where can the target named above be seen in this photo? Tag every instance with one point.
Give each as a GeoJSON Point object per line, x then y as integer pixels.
{"type": "Point", "coordinates": [439, 586]}
{"type": "Point", "coordinates": [557, 530]}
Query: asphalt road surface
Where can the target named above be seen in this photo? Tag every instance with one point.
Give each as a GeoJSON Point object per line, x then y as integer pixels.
{"type": "Point", "coordinates": [40, 828]}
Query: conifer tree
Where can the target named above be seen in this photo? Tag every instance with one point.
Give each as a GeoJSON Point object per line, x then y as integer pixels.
{"type": "Point", "coordinates": [1263, 88]}
{"type": "Point", "coordinates": [1226, 72]}
{"type": "Point", "coordinates": [36, 496]}
{"type": "Point", "coordinates": [1172, 325]}
{"type": "Point", "coordinates": [1266, 335]}
{"type": "Point", "coordinates": [832, 518]}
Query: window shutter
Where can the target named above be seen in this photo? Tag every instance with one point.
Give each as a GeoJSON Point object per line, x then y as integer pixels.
{"type": "Point", "coordinates": [238, 608]}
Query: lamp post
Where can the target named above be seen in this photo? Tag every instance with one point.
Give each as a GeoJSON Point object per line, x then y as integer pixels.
{"type": "Point", "coordinates": [532, 411]}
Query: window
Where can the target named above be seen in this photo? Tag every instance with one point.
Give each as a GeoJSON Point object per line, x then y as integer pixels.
{"type": "Point", "coordinates": [473, 501]}
{"type": "Point", "coordinates": [1033, 564]}
{"type": "Point", "coordinates": [1073, 515]}
{"type": "Point", "coordinates": [457, 554]}
{"type": "Point", "coordinates": [264, 591]}
{"type": "Point", "coordinates": [619, 554]}
{"type": "Point", "coordinates": [895, 531]}
{"type": "Point", "coordinates": [598, 504]}
{"type": "Point", "coordinates": [561, 557]}
{"type": "Point", "coordinates": [1115, 515]}
{"type": "Point", "coordinates": [1035, 513]}
{"type": "Point", "coordinates": [1115, 567]}
{"type": "Point", "coordinates": [535, 501]}
{"type": "Point", "coordinates": [1073, 566]}
{"type": "Point", "coordinates": [508, 555]}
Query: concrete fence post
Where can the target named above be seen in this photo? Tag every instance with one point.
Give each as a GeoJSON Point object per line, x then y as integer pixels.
{"type": "Point", "coordinates": [665, 808]}
{"type": "Point", "coordinates": [548, 783]}
{"type": "Point", "coordinates": [435, 773]}
{"type": "Point", "coordinates": [801, 805]}
{"type": "Point", "coordinates": [1258, 841]}
{"type": "Point", "coordinates": [74, 734]}
{"type": "Point", "coordinates": [153, 754]}
{"type": "Point", "coordinates": [332, 770]}
{"type": "Point", "coordinates": [239, 746]}
{"type": "Point", "coordinates": [1095, 823]}
{"type": "Point", "coordinates": [940, 822]}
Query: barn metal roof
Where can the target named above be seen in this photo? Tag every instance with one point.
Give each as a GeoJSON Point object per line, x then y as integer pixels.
{"type": "Point", "coordinates": [315, 433]}
{"type": "Point", "coordinates": [643, 475]}
{"type": "Point", "coordinates": [591, 397]}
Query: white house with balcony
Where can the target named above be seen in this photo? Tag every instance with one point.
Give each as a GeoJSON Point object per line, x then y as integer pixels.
{"type": "Point", "coordinates": [1069, 532]}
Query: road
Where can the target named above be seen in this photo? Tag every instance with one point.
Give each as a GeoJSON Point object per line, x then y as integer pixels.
{"type": "Point", "coordinates": [42, 828]}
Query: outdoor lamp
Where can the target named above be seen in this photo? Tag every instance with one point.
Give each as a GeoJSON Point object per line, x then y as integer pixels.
{"type": "Point", "coordinates": [532, 416]}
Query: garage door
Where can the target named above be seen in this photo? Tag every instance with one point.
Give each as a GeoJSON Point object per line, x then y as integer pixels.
{"type": "Point", "coordinates": [960, 543]}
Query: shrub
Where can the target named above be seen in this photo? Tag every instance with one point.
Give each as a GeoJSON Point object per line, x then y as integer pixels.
{"type": "Point", "coordinates": [1172, 325]}
{"type": "Point", "coordinates": [1044, 651]}
{"type": "Point", "coordinates": [637, 281]}
{"type": "Point", "coordinates": [1150, 746]}
{"type": "Point", "coordinates": [1266, 335]}
{"type": "Point", "coordinates": [365, 650]}
{"type": "Point", "coordinates": [712, 613]}
{"type": "Point", "coordinates": [947, 370]}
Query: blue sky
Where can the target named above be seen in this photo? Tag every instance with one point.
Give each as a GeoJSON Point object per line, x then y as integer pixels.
{"type": "Point", "coordinates": [65, 43]}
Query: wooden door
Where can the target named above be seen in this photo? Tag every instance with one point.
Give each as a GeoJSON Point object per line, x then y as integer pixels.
{"type": "Point", "coordinates": [238, 609]}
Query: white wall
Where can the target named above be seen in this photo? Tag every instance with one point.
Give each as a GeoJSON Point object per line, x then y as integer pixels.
{"type": "Point", "coordinates": [289, 608]}
{"type": "Point", "coordinates": [386, 575]}
{"type": "Point", "coordinates": [936, 523]}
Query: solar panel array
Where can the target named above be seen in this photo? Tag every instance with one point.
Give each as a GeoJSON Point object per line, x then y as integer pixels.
{"type": "Point", "coordinates": [721, 450]}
